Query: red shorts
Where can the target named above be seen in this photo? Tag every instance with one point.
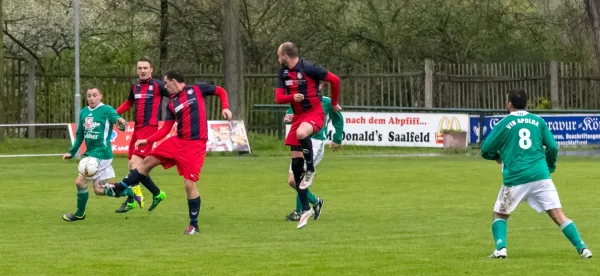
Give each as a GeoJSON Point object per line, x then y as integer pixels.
{"type": "Point", "coordinates": [187, 155]}
{"type": "Point", "coordinates": [141, 133]}
{"type": "Point", "coordinates": [316, 119]}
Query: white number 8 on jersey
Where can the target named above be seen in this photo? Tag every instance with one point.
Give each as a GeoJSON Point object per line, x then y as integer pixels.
{"type": "Point", "coordinates": [525, 138]}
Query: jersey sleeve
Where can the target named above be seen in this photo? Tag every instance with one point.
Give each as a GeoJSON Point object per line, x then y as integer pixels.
{"type": "Point", "coordinates": [112, 115]}
{"type": "Point", "coordinates": [280, 79]}
{"type": "Point", "coordinates": [214, 90]}
{"type": "Point", "coordinates": [551, 148]}
{"type": "Point", "coordinates": [492, 145]}
{"type": "Point", "coordinates": [337, 120]}
{"type": "Point", "coordinates": [162, 88]}
{"type": "Point", "coordinates": [78, 138]}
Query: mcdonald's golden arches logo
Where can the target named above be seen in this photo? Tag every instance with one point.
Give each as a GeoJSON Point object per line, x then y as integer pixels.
{"type": "Point", "coordinates": [446, 124]}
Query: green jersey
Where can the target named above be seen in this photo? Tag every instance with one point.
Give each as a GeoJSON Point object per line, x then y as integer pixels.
{"type": "Point", "coordinates": [518, 141]}
{"type": "Point", "coordinates": [337, 120]}
{"type": "Point", "coordinates": [95, 128]}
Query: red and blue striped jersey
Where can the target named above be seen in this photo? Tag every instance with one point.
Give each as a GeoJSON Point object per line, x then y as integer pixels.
{"type": "Point", "coordinates": [188, 108]}
{"type": "Point", "coordinates": [304, 78]}
{"type": "Point", "coordinates": [146, 99]}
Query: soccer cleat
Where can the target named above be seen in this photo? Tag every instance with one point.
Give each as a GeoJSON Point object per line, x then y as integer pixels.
{"type": "Point", "coordinates": [318, 207]}
{"type": "Point", "coordinates": [585, 253]}
{"type": "Point", "coordinates": [125, 207]}
{"type": "Point", "coordinates": [293, 216]}
{"type": "Point", "coordinates": [157, 199]}
{"type": "Point", "coordinates": [499, 254]}
{"type": "Point", "coordinates": [304, 218]}
{"type": "Point", "coordinates": [191, 230]}
{"type": "Point", "coordinates": [72, 217]}
{"type": "Point", "coordinates": [139, 197]}
{"type": "Point", "coordinates": [307, 180]}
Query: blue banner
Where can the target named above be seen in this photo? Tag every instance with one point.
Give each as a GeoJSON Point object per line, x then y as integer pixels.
{"type": "Point", "coordinates": [568, 130]}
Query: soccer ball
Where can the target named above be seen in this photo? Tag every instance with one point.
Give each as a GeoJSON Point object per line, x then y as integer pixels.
{"type": "Point", "coordinates": [88, 166]}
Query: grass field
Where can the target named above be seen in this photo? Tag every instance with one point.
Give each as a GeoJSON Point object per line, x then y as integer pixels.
{"type": "Point", "coordinates": [382, 216]}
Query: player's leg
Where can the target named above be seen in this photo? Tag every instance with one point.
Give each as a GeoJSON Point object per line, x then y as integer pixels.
{"type": "Point", "coordinates": [139, 175]}
{"type": "Point", "coordinates": [137, 198]}
{"type": "Point", "coordinates": [308, 124]}
{"type": "Point", "coordinates": [507, 201]}
{"type": "Point", "coordinates": [544, 197]}
{"type": "Point", "coordinates": [82, 198]}
{"type": "Point", "coordinates": [294, 215]}
{"type": "Point", "coordinates": [299, 173]}
{"type": "Point", "coordinates": [193, 199]}
{"type": "Point", "coordinates": [189, 164]}
{"type": "Point", "coordinates": [317, 202]}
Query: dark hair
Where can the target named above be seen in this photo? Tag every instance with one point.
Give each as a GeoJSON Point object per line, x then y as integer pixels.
{"type": "Point", "coordinates": [145, 59]}
{"type": "Point", "coordinates": [289, 49]}
{"type": "Point", "coordinates": [175, 75]}
{"type": "Point", "coordinates": [518, 98]}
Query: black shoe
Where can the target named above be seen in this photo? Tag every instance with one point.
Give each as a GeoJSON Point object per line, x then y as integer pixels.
{"type": "Point", "coordinates": [293, 216]}
{"type": "Point", "coordinates": [72, 217]}
{"type": "Point", "coordinates": [318, 207]}
{"type": "Point", "coordinates": [125, 207]}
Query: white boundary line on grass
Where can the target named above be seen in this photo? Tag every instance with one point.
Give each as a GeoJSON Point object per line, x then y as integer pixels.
{"type": "Point", "coordinates": [30, 155]}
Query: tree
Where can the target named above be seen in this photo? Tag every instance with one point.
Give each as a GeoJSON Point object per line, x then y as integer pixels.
{"type": "Point", "coordinates": [232, 55]}
{"type": "Point", "coordinates": [592, 8]}
{"type": "Point", "coordinates": [1, 75]}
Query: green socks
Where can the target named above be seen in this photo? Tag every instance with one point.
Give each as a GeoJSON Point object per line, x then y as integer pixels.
{"type": "Point", "coordinates": [312, 199]}
{"type": "Point", "coordinates": [82, 198]}
{"type": "Point", "coordinates": [499, 232]}
{"type": "Point", "coordinates": [570, 230]}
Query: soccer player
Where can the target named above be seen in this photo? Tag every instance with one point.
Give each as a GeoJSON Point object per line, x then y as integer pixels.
{"type": "Point", "coordinates": [186, 150]}
{"type": "Point", "coordinates": [318, 150]}
{"type": "Point", "coordinates": [298, 83]}
{"type": "Point", "coordinates": [517, 142]}
{"type": "Point", "coordinates": [146, 98]}
{"type": "Point", "coordinates": [95, 128]}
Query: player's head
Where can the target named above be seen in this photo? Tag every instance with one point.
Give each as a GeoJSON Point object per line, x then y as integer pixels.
{"type": "Point", "coordinates": [288, 54]}
{"type": "Point", "coordinates": [144, 68]}
{"type": "Point", "coordinates": [174, 81]}
{"type": "Point", "coordinates": [94, 97]}
{"type": "Point", "coordinates": [517, 100]}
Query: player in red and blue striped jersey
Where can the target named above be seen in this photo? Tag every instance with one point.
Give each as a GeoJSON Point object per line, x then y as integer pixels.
{"type": "Point", "coordinates": [146, 98]}
{"type": "Point", "coordinates": [298, 85]}
{"type": "Point", "coordinates": [186, 150]}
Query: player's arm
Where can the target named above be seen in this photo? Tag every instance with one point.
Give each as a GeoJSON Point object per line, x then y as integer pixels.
{"type": "Point", "coordinates": [337, 120]}
{"type": "Point", "coordinates": [163, 89]}
{"type": "Point", "coordinates": [215, 90]}
{"type": "Point", "coordinates": [324, 75]}
{"type": "Point", "coordinates": [114, 118]}
{"type": "Point", "coordinates": [551, 147]}
{"type": "Point", "coordinates": [493, 143]}
{"type": "Point", "coordinates": [280, 96]}
{"type": "Point", "coordinates": [289, 114]}
{"type": "Point", "coordinates": [76, 144]}
{"type": "Point", "coordinates": [127, 104]}
{"type": "Point", "coordinates": [163, 131]}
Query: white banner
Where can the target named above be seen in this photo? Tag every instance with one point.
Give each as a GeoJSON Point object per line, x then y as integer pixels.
{"type": "Point", "coordinates": [397, 129]}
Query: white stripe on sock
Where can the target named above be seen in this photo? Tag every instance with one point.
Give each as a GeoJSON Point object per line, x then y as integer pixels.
{"type": "Point", "coordinates": [564, 225]}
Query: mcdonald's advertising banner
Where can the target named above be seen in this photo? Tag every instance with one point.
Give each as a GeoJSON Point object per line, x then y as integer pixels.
{"type": "Point", "coordinates": [567, 129]}
{"type": "Point", "coordinates": [222, 136]}
{"type": "Point", "coordinates": [397, 129]}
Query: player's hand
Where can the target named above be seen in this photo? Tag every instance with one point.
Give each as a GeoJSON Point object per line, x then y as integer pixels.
{"type": "Point", "coordinates": [337, 108]}
{"type": "Point", "coordinates": [288, 118]}
{"type": "Point", "coordinates": [121, 124]}
{"type": "Point", "coordinates": [66, 157]}
{"type": "Point", "coordinates": [227, 114]}
{"type": "Point", "coordinates": [140, 142]}
{"type": "Point", "coordinates": [335, 146]}
{"type": "Point", "coordinates": [298, 97]}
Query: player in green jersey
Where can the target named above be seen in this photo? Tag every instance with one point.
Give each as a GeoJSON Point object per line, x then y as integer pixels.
{"type": "Point", "coordinates": [95, 127]}
{"type": "Point", "coordinates": [318, 150]}
{"type": "Point", "coordinates": [517, 142]}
